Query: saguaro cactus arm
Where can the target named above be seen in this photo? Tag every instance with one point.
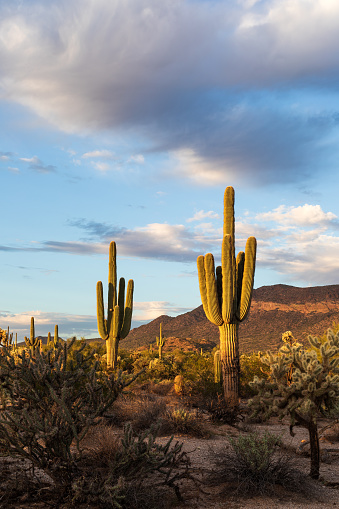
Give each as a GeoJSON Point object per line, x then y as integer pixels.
{"type": "Point", "coordinates": [127, 319]}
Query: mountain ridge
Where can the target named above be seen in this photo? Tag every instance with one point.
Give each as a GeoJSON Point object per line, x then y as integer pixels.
{"type": "Point", "coordinates": [274, 309]}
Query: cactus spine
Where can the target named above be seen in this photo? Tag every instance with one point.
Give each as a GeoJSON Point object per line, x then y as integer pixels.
{"type": "Point", "coordinates": [119, 316]}
{"type": "Point", "coordinates": [160, 342]}
{"type": "Point", "coordinates": [32, 342]}
{"type": "Point", "coordinates": [226, 296]}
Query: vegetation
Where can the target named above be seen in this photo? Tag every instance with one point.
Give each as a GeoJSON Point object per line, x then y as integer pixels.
{"type": "Point", "coordinates": [160, 342]}
{"type": "Point", "coordinates": [119, 313]}
{"type": "Point", "coordinates": [226, 297]}
{"type": "Point", "coordinates": [303, 384]}
{"type": "Point", "coordinates": [254, 464]}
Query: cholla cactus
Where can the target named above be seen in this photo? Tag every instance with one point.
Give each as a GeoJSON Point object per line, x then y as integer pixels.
{"type": "Point", "coordinates": [311, 390]}
{"type": "Point", "coordinates": [6, 338]}
{"type": "Point", "coordinates": [160, 342]}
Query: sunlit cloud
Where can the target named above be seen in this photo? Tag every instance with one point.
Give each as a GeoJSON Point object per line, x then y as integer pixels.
{"type": "Point", "coordinates": [146, 311]}
{"type": "Point", "coordinates": [215, 84]}
{"type": "Point", "coordinates": [103, 154]}
{"type": "Point", "coordinates": [201, 214]}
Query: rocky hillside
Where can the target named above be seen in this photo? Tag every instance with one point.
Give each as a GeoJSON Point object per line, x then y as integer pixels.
{"type": "Point", "coordinates": [274, 310]}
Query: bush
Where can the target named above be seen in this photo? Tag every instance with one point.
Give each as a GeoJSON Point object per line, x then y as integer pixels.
{"type": "Point", "coordinates": [140, 411]}
{"type": "Point", "coordinates": [49, 402]}
{"type": "Point", "coordinates": [251, 366]}
{"type": "Point", "coordinates": [254, 465]}
{"type": "Point", "coordinates": [134, 469]}
{"type": "Point", "coordinates": [180, 420]}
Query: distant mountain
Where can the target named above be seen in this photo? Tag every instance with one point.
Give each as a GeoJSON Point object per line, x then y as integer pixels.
{"type": "Point", "coordinates": [274, 310]}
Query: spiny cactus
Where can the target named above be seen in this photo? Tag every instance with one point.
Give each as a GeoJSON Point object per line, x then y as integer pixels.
{"type": "Point", "coordinates": [53, 343]}
{"type": "Point", "coordinates": [217, 367]}
{"type": "Point", "coordinates": [160, 342]}
{"type": "Point", "coordinates": [226, 296]}
{"type": "Point", "coordinates": [6, 338]}
{"type": "Point", "coordinates": [119, 313]}
{"type": "Point", "coordinates": [303, 384]}
{"type": "Point", "coordinates": [32, 342]}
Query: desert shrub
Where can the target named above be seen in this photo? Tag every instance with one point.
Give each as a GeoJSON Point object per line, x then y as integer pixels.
{"type": "Point", "coordinates": [141, 411]}
{"type": "Point", "coordinates": [198, 374]}
{"type": "Point", "coordinates": [251, 366]}
{"type": "Point", "coordinates": [181, 420]}
{"type": "Point", "coordinates": [134, 472]}
{"type": "Point", "coordinates": [253, 465]}
{"type": "Point", "coordinates": [49, 402]}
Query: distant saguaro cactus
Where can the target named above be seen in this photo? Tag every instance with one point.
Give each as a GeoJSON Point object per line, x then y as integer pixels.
{"type": "Point", "coordinates": [226, 296]}
{"type": "Point", "coordinates": [160, 342]}
{"type": "Point", "coordinates": [119, 313]}
{"type": "Point", "coordinates": [32, 342]}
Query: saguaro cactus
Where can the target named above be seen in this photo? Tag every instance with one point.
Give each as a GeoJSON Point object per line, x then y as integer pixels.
{"type": "Point", "coordinates": [226, 296]}
{"type": "Point", "coordinates": [160, 342]}
{"type": "Point", "coordinates": [119, 315]}
{"type": "Point", "coordinates": [32, 342]}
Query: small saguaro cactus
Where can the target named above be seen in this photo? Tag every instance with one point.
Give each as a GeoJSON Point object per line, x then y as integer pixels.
{"type": "Point", "coordinates": [32, 342]}
{"type": "Point", "coordinates": [217, 367]}
{"type": "Point", "coordinates": [119, 313]}
{"type": "Point", "coordinates": [160, 342]}
{"type": "Point", "coordinates": [226, 296]}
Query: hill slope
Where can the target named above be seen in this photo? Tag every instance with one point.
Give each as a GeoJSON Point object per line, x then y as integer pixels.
{"type": "Point", "coordinates": [274, 310]}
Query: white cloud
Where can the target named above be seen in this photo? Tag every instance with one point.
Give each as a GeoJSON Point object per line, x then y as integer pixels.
{"type": "Point", "coordinates": [303, 215]}
{"type": "Point", "coordinates": [103, 154]}
{"type": "Point", "coordinates": [146, 311]}
{"type": "Point", "coordinates": [69, 325]}
{"type": "Point", "coordinates": [201, 214]}
{"type": "Point", "coordinates": [102, 166]}
{"type": "Point", "coordinates": [138, 158]}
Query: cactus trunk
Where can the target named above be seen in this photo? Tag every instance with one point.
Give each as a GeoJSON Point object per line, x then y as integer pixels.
{"type": "Point", "coordinates": [229, 359]}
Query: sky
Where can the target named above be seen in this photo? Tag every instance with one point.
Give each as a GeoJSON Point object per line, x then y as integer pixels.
{"type": "Point", "coordinates": [126, 120]}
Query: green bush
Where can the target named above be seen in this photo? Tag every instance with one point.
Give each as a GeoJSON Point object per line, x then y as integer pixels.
{"type": "Point", "coordinates": [254, 465]}
{"type": "Point", "coordinates": [49, 402]}
{"type": "Point", "coordinates": [251, 366]}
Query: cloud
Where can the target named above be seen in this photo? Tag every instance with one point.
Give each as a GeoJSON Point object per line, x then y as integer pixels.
{"type": "Point", "coordinates": [198, 216]}
{"type": "Point", "coordinates": [300, 243]}
{"type": "Point", "coordinates": [103, 154]}
{"type": "Point", "coordinates": [138, 158]}
{"type": "Point", "coordinates": [231, 89]}
{"type": "Point", "coordinates": [69, 325]}
{"type": "Point", "coordinates": [37, 165]}
{"type": "Point", "coordinates": [146, 311]}
{"type": "Point", "coordinates": [304, 215]}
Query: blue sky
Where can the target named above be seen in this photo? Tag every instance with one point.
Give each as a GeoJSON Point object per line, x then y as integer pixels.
{"type": "Point", "coordinates": [125, 120]}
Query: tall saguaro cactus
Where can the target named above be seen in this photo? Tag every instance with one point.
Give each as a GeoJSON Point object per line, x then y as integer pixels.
{"type": "Point", "coordinates": [226, 296]}
{"type": "Point", "coordinates": [119, 313]}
